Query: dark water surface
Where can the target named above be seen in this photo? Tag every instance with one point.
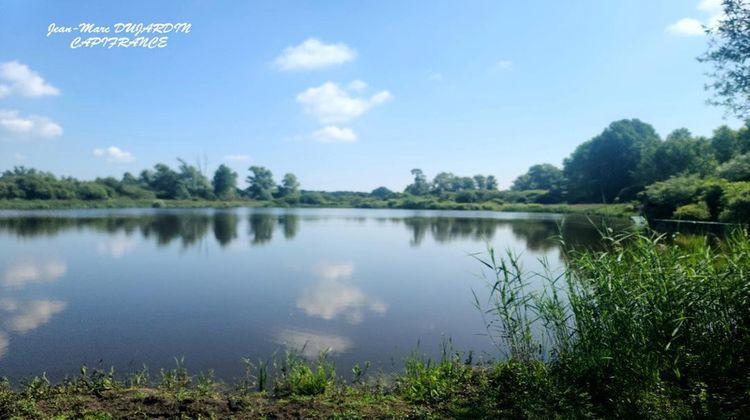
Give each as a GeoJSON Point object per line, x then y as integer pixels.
{"type": "Point", "coordinates": [130, 287]}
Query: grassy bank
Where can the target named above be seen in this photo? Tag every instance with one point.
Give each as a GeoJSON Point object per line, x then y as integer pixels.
{"type": "Point", "coordinates": [415, 204]}
{"type": "Point", "coordinates": [649, 327]}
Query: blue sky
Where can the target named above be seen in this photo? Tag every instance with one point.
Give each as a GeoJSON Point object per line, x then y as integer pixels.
{"type": "Point", "coordinates": [470, 87]}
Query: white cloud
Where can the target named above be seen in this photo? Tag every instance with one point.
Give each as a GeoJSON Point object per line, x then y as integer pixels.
{"type": "Point", "coordinates": [686, 27]}
{"type": "Point", "coordinates": [357, 85]}
{"type": "Point", "coordinates": [333, 134]}
{"type": "Point", "coordinates": [14, 125]}
{"type": "Point", "coordinates": [331, 104]}
{"type": "Point", "coordinates": [114, 154]}
{"type": "Point", "coordinates": [20, 79]}
{"type": "Point", "coordinates": [31, 315]}
{"type": "Point", "coordinates": [237, 158]}
{"type": "Point", "coordinates": [19, 274]}
{"type": "Point", "coordinates": [311, 344]}
{"type": "Point", "coordinates": [695, 27]}
{"type": "Point", "coordinates": [710, 6]}
{"type": "Point", "coordinates": [313, 54]}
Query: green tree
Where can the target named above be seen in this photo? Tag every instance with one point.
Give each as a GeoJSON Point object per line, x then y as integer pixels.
{"type": "Point", "coordinates": [543, 177]}
{"type": "Point", "coordinates": [261, 183]}
{"type": "Point", "coordinates": [680, 154]}
{"type": "Point", "coordinates": [420, 185]}
{"type": "Point", "coordinates": [382, 193]}
{"type": "Point", "coordinates": [465, 183]}
{"type": "Point", "coordinates": [736, 169]}
{"type": "Point", "coordinates": [604, 168]}
{"type": "Point", "coordinates": [225, 183]}
{"type": "Point", "coordinates": [728, 52]}
{"type": "Point", "coordinates": [491, 183]}
{"type": "Point", "coordinates": [444, 182]}
{"type": "Point", "coordinates": [289, 186]}
{"type": "Point", "coordinates": [724, 143]}
{"type": "Point", "coordinates": [480, 181]}
{"type": "Point", "coordinates": [193, 181]}
{"type": "Point", "coordinates": [165, 182]}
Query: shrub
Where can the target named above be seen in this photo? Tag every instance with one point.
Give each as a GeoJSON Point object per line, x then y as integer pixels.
{"type": "Point", "coordinates": [736, 203]}
{"type": "Point", "coordinates": [692, 212]}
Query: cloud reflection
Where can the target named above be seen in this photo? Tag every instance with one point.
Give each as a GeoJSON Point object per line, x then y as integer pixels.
{"type": "Point", "coordinates": [311, 344]}
{"type": "Point", "coordinates": [19, 274]}
{"type": "Point", "coordinates": [27, 316]}
{"type": "Point", "coordinates": [3, 344]}
{"type": "Point", "coordinates": [332, 296]}
{"type": "Point", "coordinates": [116, 246]}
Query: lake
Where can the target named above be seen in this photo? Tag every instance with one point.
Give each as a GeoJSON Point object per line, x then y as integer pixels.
{"type": "Point", "coordinates": [130, 287]}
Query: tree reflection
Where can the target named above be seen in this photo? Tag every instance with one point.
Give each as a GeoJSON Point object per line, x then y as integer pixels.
{"type": "Point", "coordinates": [539, 233]}
{"type": "Point", "coordinates": [290, 225]}
{"type": "Point", "coordinates": [225, 227]}
{"type": "Point", "coordinates": [261, 227]}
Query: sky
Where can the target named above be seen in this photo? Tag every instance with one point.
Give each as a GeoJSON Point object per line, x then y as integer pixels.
{"type": "Point", "coordinates": [347, 95]}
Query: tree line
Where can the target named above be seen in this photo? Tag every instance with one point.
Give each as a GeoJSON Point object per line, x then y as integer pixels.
{"type": "Point", "coordinates": [629, 161]}
{"type": "Point", "coordinates": [185, 183]}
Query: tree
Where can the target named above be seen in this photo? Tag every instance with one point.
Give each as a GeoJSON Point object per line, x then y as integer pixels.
{"type": "Point", "coordinates": [193, 181]}
{"type": "Point", "coordinates": [724, 143]}
{"type": "Point", "coordinates": [444, 182]}
{"type": "Point", "coordinates": [225, 182]}
{"type": "Point", "coordinates": [736, 169]}
{"type": "Point", "coordinates": [491, 183]}
{"type": "Point", "coordinates": [261, 183]}
{"type": "Point", "coordinates": [164, 182]}
{"type": "Point", "coordinates": [420, 185]}
{"type": "Point", "coordinates": [680, 154]}
{"type": "Point", "coordinates": [382, 193]}
{"type": "Point", "coordinates": [543, 177]}
{"type": "Point", "coordinates": [465, 183]}
{"type": "Point", "coordinates": [480, 181]}
{"type": "Point", "coordinates": [728, 52]}
{"type": "Point", "coordinates": [604, 168]}
{"type": "Point", "coordinates": [540, 177]}
{"type": "Point", "coordinates": [289, 186]}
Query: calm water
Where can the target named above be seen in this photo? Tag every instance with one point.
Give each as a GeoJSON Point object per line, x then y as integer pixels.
{"type": "Point", "coordinates": [127, 287]}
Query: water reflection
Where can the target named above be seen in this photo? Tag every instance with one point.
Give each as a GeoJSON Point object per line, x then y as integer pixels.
{"type": "Point", "coordinates": [23, 315]}
{"type": "Point", "coordinates": [311, 344]}
{"type": "Point", "coordinates": [19, 274]}
{"type": "Point", "coordinates": [225, 227]}
{"type": "Point", "coordinates": [333, 296]}
{"type": "Point", "coordinates": [190, 227]}
{"type": "Point", "coordinates": [27, 316]}
{"type": "Point", "coordinates": [116, 246]}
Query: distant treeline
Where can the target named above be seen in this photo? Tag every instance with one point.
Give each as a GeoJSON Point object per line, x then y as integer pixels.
{"type": "Point", "coordinates": [682, 176]}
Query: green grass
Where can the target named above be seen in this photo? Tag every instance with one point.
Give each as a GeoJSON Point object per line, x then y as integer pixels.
{"type": "Point", "coordinates": [650, 326]}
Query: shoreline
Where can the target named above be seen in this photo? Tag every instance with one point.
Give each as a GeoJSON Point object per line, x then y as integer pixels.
{"type": "Point", "coordinates": [615, 210]}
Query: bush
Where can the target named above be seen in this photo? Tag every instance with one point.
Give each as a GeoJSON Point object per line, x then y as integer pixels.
{"type": "Point", "coordinates": [736, 203]}
{"type": "Point", "coordinates": [692, 212]}
{"type": "Point", "coordinates": [736, 169]}
{"type": "Point", "coordinates": [91, 191]}
{"type": "Point", "coordinates": [661, 199]}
